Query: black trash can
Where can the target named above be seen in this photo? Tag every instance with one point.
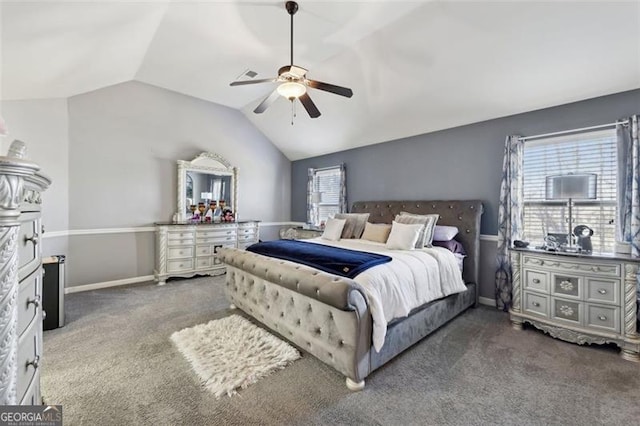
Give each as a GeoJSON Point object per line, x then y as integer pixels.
{"type": "Point", "coordinates": [53, 292]}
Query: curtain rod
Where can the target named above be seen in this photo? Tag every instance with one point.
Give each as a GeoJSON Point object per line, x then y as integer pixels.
{"type": "Point", "coordinates": [564, 132]}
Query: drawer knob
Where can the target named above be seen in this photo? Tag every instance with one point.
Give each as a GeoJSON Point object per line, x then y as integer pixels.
{"type": "Point", "coordinates": [181, 252]}
{"type": "Point", "coordinates": [536, 281]}
{"type": "Point", "coordinates": [33, 239]}
{"type": "Point", "coordinates": [35, 363]}
{"type": "Point", "coordinates": [35, 301]}
{"type": "Point", "coordinates": [566, 310]}
{"type": "Point", "coordinates": [602, 317]}
{"type": "Point", "coordinates": [536, 304]}
{"type": "Point", "coordinates": [602, 291]}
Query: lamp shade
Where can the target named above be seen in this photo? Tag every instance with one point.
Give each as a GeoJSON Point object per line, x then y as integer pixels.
{"type": "Point", "coordinates": [291, 90]}
{"type": "Point", "coordinates": [576, 186]}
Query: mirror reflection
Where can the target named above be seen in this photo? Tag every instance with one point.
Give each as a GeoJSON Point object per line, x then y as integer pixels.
{"type": "Point", "coordinates": [207, 188]}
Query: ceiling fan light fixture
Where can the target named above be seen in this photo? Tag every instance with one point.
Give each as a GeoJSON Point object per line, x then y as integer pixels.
{"type": "Point", "coordinates": [291, 90]}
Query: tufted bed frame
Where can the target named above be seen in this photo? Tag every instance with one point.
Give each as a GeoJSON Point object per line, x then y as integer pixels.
{"type": "Point", "coordinates": [327, 315]}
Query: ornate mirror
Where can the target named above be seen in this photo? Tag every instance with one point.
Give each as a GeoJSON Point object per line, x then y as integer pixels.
{"type": "Point", "coordinates": [206, 178]}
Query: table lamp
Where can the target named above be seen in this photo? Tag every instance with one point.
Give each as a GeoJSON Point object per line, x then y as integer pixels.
{"type": "Point", "coordinates": [571, 187]}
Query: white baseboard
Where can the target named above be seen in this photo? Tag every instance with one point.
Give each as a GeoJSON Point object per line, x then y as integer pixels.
{"type": "Point", "coordinates": [107, 284]}
{"type": "Point", "coordinates": [487, 301]}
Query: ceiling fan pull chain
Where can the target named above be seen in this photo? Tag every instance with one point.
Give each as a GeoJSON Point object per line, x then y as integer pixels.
{"type": "Point", "coordinates": [293, 111]}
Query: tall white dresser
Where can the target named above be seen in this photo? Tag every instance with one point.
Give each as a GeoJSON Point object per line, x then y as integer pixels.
{"type": "Point", "coordinates": [20, 277]}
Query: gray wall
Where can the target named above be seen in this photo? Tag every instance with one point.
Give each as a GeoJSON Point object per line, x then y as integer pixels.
{"type": "Point", "coordinates": [463, 162]}
{"type": "Point", "coordinates": [112, 156]}
{"type": "Point", "coordinates": [43, 126]}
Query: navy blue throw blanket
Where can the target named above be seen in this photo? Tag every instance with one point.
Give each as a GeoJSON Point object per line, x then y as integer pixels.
{"type": "Point", "coordinates": [335, 260]}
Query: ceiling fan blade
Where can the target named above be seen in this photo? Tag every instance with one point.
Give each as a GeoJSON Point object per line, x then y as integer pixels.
{"type": "Point", "coordinates": [309, 106]}
{"type": "Point", "coordinates": [331, 88]}
{"type": "Point", "coordinates": [266, 103]}
{"type": "Point", "coordinates": [242, 83]}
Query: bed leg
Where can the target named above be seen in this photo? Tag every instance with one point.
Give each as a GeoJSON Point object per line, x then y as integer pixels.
{"type": "Point", "coordinates": [232, 307]}
{"type": "Point", "coordinates": [355, 386]}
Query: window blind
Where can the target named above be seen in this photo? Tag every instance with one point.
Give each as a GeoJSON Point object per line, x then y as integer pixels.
{"type": "Point", "coordinates": [590, 152]}
{"type": "Point", "coordinates": [327, 182]}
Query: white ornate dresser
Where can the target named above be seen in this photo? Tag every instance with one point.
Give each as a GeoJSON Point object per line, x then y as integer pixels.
{"type": "Point", "coordinates": [581, 298]}
{"type": "Point", "coordinates": [187, 249]}
{"type": "Point", "coordinates": [20, 278]}
{"type": "Point", "coordinates": [184, 247]}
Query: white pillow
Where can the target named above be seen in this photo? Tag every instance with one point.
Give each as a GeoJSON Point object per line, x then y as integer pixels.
{"type": "Point", "coordinates": [429, 224]}
{"type": "Point", "coordinates": [445, 233]}
{"type": "Point", "coordinates": [333, 229]}
{"type": "Point", "coordinates": [404, 236]}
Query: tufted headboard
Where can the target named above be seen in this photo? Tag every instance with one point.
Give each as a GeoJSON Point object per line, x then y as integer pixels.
{"type": "Point", "coordinates": [465, 214]}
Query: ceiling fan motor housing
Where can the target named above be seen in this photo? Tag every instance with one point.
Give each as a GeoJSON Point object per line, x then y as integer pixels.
{"type": "Point", "coordinates": [292, 7]}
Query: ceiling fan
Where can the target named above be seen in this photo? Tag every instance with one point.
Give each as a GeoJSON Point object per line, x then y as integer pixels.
{"type": "Point", "coordinates": [293, 82]}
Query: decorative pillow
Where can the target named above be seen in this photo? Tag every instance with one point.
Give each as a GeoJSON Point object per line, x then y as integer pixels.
{"type": "Point", "coordinates": [333, 229]}
{"type": "Point", "coordinates": [404, 236]}
{"type": "Point", "coordinates": [355, 224]}
{"type": "Point", "coordinates": [444, 233]}
{"type": "Point", "coordinates": [453, 246]}
{"type": "Point", "coordinates": [427, 220]}
{"type": "Point", "coordinates": [378, 232]}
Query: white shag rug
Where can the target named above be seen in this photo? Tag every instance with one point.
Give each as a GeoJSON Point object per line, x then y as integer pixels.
{"type": "Point", "coordinates": [231, 353]}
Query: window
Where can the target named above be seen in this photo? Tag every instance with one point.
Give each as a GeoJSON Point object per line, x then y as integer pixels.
{"type": "Point", "coordinates": [592, 152]}
{"type": "Point", "coordinates": [325, 196]}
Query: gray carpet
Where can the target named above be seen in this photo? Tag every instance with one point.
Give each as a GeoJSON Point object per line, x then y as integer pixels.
{"type": "Point", "coordinates": [113, 364]}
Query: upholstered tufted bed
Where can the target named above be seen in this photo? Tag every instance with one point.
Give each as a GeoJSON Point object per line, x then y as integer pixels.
{"type": "Point", "coordinates": [328, 316]}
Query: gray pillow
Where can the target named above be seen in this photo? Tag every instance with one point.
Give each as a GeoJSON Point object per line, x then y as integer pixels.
{"type": "Point", "coordinates": [428, 220]}
{"type": "Point", "coordinates": [355, 224]}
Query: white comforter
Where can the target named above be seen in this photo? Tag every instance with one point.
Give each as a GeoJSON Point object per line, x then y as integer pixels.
{"type": "Point", "coordinates": [411, 279]}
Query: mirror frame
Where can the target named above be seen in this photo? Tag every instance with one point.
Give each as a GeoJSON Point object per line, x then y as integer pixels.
{"type": "Point", "coordinates": [206, 162]}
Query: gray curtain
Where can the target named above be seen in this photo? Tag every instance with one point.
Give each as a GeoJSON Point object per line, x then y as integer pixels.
{"type": "Point", "coordinates": [629, 187]}
{"type": "Point", "coordinates": [311, 213]}
{"type": "Point", "coordinates": [343, 189]}
{"type": "Point", "coordinates": [629, 184]}
{"type": "Point", "coordinates": [510, 218]}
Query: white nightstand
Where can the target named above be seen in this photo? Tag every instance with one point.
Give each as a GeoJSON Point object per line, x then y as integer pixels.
{"type": "Point", "coordinates": [298, 233]}
{"type": "Point", "coordinates": [580, 298]}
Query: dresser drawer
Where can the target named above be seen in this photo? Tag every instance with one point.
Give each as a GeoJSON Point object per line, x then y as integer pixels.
{"type": "Point", "coordinates": [29, 300]}
{"type": "Point", "coordinates": [28, 360]}
{"type": "Point", "coordinates": [246, 231]}
{"type": "Point", "coordinates": [536, 304]}
{"type": "Point", "coordinates": [566, 286]}
{"type": "Point", "coordinates": [560, 263]}
{"type": "Point", "coordinates": [180, 265]}
{"type": "Point", "coordinates": [28, 245]}
{"type": "Point", "coordinates": [180, 253]}
{"type": "Point", "coordinates": [603, 317]}
{"type": "Point", "coordinates": [180, 243]}
{"type": "Point", "coordinates": [180, 235]}
{"type": "Point", "coordinates": [218, 239]}
{"type": "Point", "coordinates": [567, 310]}
{"type": "Point", "coordinates": [204, 262]}
{"type": "Point", "coordinates": [535, 280]}
{"type": "Point", "coordinates": [203, 250]}
{"type": "Point", "coordinates": [247, 238]}
{"type": "Point", "coordinates": [32, 396]}
{"type": "Point", "coordinates": [216, 233]}
{"type": "Point", "coordinates": [602, 290]}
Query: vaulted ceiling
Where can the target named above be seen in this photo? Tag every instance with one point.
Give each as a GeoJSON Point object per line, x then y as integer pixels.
{"type": "Point", "coordinates": [414, 67]}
